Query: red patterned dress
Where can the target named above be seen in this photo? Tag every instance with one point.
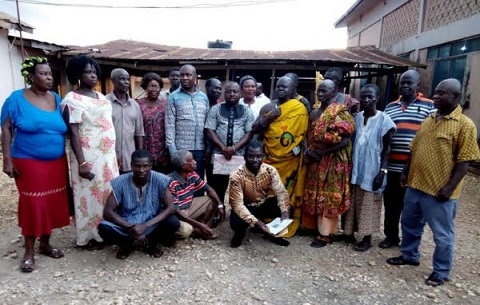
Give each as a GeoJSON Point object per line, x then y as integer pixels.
{"type": "Point", "coordinates": [154, 125]}
{"type": "Point", "coordinates": [327, 190]}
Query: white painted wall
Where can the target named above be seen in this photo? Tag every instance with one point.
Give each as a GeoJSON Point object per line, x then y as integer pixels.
{"type": "Point", "coordinates": [371, 35]}
{"type": "Point", "coordinates": [10, 65]}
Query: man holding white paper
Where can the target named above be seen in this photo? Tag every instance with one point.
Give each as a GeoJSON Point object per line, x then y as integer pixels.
{"type": "Point", "coordinates": [228, 126]}
{"type": "Point", "coordinates": [255, 192]}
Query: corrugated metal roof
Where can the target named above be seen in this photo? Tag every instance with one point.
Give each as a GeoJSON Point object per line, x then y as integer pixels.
{"type": "Point", "coordinates": [129, 50]}
{"type": "Point", "coordinates": [11, 23]}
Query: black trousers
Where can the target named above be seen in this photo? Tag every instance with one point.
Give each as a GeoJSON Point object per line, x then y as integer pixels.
{"type": "Point", "coordinates": [269, 209]}
{"type": "Point", "coordinates": [393, 202]}
{"type": "Point", "coordinates": [219, 183]}
{"type": "Point", "coordinates": [164, 232]}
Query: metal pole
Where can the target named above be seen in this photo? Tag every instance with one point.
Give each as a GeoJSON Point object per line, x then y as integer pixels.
{"type": "Point", "coordinates": [21, 30]}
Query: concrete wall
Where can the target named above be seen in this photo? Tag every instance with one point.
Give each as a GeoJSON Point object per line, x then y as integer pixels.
{"type": "Point", "coordinates": [371, 35]}
{"type": "Point", "coordinates": [417, 24]}
{"type": "Point", "coordinates": [11, 59]}
{"type": "Point", "coordinates": [401, 23]}
{"type": "Point", "coordinates": [472, 94]}
{"type": "Point", "coordinates": [439, 13]}
{"type": "Point", "coordinates": [373, 16]}
{"type": "Point", "coordinates": [456, 30]}
{"type": "Point", "coordinates": [353, 41]}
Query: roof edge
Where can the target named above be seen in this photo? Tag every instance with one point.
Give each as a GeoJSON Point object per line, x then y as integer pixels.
{"type": "Point", "coordinates": [341, 22]}
{"type": "Point", "coordinates": [10, 22]}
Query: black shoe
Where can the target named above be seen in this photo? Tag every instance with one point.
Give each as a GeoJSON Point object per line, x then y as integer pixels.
{"type": "Point", "coordinates": [237, 240]}
{"type": "Point", "coordinates": [435, 280]}
{"type": "Point", "coordinates": [277, 240]}
{"type": "Point", "coordinates": [302, 231]}
{"type": "Point", "coordinates": [387, 243]}
{"type": "Point", "coordinates": [338, 238]}
{"type": "Point", "coordinates": [398, 261]}
{"type": "Point", "coordinates": [349, 239]}
{"type": "Point", "coordinates": [362, 246]}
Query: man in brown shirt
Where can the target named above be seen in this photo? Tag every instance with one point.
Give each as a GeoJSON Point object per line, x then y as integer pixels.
{"type": "Point", "coordinates": [127, 119]}
{"type": "Point", "coordinates": [255, 191]}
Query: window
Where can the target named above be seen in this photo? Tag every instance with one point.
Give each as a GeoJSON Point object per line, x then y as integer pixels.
{"type": "Point", "coordinates": [432, 53]}
{"type": "Point", "coordinates": [405, 55]}
{"type": "Point", "coordinates": [448, 68]}
{"type": "Point", "coordinates": [454, 48]}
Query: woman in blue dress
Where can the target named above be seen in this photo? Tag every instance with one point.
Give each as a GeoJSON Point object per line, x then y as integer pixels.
{"type": "Point", "coordinates": [33, 147]}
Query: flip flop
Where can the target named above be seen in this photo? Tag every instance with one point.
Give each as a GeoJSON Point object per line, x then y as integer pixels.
{"type": "Point", "coordinates": [27, 265]}
{"type": "Point", "coordinates": [53, 253]}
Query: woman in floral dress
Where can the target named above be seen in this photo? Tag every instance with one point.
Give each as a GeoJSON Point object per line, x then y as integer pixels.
{"type": "Point", "coordinates": [153, 112]}
{"type": "Point", "coordinates": [93, 161]}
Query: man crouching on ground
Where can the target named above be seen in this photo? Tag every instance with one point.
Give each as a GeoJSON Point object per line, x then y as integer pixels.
{"type": "Point", "coordinates": [195, 214]}
{"type": "Point", "coordinates": [139, 212]}
{"type": "Point", "coordinates": [254, 191]}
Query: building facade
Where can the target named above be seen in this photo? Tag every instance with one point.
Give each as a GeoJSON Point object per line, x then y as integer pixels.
{"type": "Point", "coordinates": [442, 34]}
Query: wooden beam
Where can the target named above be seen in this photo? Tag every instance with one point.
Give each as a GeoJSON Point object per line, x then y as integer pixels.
{"type": "Point", "coordinates": [272, 83]}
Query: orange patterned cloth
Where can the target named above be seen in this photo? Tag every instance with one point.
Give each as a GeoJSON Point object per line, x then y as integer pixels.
{"type": "Point", "coordinates": [327, 190]}
{"type": "Point", "coordinates": [246, 189]}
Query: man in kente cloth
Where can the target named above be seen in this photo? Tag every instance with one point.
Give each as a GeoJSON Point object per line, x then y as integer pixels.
{"type": "Point", "coordinates": [282, 124]}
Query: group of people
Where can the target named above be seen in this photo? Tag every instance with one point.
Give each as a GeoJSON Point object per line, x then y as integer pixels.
{"type": "Point", "coordinates": [325, 167]}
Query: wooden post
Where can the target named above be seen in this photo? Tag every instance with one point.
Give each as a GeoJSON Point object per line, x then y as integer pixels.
{"type": "Point", "coordinates": [272, 84]}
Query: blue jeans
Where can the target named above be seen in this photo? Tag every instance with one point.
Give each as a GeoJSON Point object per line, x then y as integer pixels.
{"type": "Point", "coordinates": [420, 208]}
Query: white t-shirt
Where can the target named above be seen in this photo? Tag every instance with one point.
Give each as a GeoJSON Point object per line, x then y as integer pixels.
{"type": "Point", "coordinates": [255, 107]}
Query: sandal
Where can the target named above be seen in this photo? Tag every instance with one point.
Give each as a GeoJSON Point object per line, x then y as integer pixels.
{"type": "Point", "coordinates": [435, 280]}
{"type": "Point", "coordinates": [320, 241]}
{"type": "Point", "coordinates": [52, 252]}
{"type": "Point", "coordinates": [27, 265]}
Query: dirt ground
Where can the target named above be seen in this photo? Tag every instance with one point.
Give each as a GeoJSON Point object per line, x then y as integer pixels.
{"type": "Point", "coordinates": [258, 272]}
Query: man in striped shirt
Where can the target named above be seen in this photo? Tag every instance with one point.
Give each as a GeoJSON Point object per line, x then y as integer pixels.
{"type": "Point", "coordinates": [195, 214]}
{"type": "Point", "coordinates": [407, 112]}
{"type": "Point", "coordinates": [185, 115]}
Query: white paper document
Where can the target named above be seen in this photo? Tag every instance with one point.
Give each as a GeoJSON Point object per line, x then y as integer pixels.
{"type": "Point", "coordinates": [278, 225]}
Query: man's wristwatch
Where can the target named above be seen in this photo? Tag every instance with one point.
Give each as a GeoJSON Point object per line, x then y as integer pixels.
{"type": "Point", "coordinates": [221, 206]}
{"type": "Point", "coordinates": [384, 170]}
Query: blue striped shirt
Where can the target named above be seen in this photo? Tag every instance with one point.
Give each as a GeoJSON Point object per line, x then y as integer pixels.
{"type": "Point", "coordinates": [408, 121]}
{"type": "Point", "coordinates": [185, 120]}
{"type": "Point", "coordinates": [136, 206]}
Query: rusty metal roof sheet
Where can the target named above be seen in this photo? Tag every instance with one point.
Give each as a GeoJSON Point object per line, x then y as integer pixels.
{"type": "Point", "coordinates": [9, 22]}
{"type": "Point", "coordinates": [129, 50]}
